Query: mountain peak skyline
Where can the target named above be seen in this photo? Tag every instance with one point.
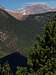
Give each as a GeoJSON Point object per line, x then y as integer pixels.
{"type": "Point", "coordinates": [21, 14]}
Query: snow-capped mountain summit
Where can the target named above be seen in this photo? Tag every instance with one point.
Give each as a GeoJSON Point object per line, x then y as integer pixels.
{"type": "Point", "coordinates": [36, 8]}
{"type": "Point", "coordinates": [27, 10]}
{"type": "Point", "coordinates": [30, 9]}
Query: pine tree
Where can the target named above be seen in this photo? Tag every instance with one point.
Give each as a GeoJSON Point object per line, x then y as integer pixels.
{"type": "Point", "coordinates": [43, 57]}
{"type": "Point", "coordinates": [21, 71]}
{"type": "Point", "coordinates": [6, 70]}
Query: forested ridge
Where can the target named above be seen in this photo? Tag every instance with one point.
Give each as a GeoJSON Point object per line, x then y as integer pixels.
{"type": "Point", "coordinates": [41, 59]}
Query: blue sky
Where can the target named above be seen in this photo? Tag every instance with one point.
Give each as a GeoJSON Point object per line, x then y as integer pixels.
{"type": "Point", "coordinates": [15, 4]}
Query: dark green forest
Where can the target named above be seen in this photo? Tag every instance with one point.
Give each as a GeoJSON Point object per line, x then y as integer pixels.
{"type": "Point", "coordinates": [20, 35]}
{"type": "Point", "coordinates": [36, 36]}
{"type": "Point", "coordinates": [42, 58]}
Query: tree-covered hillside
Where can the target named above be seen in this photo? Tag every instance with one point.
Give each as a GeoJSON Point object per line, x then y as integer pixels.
{"type": "Point", "coordinates": [41, 59]}
{"type": "Point", "coordinates": [23, 31]}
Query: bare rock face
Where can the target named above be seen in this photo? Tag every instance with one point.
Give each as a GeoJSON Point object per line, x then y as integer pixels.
{"type": "Point", "coordinates": [16, 15]}
{"type": "Point", "coordinates": [8, 40]}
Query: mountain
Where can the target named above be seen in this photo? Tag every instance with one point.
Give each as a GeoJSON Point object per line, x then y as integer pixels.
{"type": "Point", "coordinates": [36, 8]}
{"type": "Point", "coordinates": [19, 34]}
{"type": "Point", "coordinates": [18, 15]}
{"type": "Point", "coordinates": [27, 10]}
{"type": "Point", "coordinates": [22, 13]}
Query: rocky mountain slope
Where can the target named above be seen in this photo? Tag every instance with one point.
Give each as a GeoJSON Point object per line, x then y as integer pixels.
{"type": "Point", "coordinates": [22, 13]}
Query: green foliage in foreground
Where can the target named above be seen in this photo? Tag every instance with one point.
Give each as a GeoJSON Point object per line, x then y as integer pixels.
{"type": "Point", "coordinates": [5, 69]}
{"type": "Point", "coordinates": [21, 71]}
{"type": "Point", "coordinates": [43, 57]}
